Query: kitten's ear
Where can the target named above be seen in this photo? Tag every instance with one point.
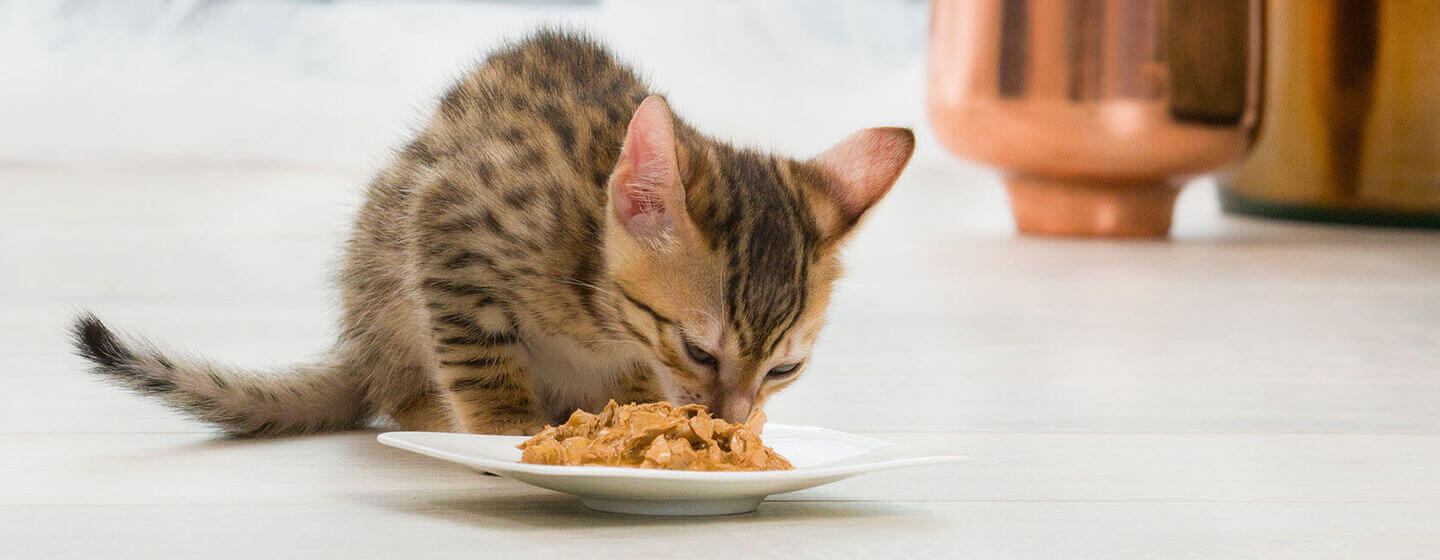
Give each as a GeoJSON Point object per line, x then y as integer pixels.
{"type": "Point", "coordinates": [862, 168]}
{"type": "Point", "coordinates": [645, 190]}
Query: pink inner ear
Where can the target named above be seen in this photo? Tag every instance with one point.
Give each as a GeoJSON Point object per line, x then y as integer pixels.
{"type": "Point", "coordinates": [645, 187]}
{"type": "Point", "coordinates": [866, 165]}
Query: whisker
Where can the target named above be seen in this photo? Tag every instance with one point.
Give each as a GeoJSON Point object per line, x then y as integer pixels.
{"type": "Point", "coordinates": [607, 342]}
{"type": "Point", "coordinates": [707, 314]}
{"type": "Point", "coordinates": [577, 282]}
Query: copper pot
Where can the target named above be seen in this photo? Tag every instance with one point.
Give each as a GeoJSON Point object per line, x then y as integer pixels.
{"type": "Point", "coordinates": [1352, 121]}
{"type": "Point", "coordinates": [1097, 111]}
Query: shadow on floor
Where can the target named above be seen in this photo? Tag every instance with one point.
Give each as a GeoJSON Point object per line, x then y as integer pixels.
{"type": "Point", "coordinates": [552, 511]}
{"type": "Point", "coordinates": [408, 483]}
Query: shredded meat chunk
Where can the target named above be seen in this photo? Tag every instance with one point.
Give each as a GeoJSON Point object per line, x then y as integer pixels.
{"type": "Point", "coordinates": [655, 436]}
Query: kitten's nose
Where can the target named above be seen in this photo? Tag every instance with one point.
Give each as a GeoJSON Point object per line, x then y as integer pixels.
{"type": "Point", "coordinates": [736, 408]}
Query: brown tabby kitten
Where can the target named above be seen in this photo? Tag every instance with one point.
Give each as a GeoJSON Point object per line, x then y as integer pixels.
{"type": "Point", "coordinates": [530, 253]}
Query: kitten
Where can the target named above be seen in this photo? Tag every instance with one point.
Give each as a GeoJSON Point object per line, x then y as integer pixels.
{"type": "Point", "coordinates": [555, 238]}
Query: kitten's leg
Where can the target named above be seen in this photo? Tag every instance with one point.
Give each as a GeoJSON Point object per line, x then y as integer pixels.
{"type": "Point", "coordinates": [425, 412]}
{"type": "Point", "coordinates": [637, 385]}
{"type": "Point", "coordinates": [469, 240]}
{"type": "Point", "coordinates": [483, 371]}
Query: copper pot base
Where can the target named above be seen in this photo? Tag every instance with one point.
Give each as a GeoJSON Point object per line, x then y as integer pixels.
{"type": "Point", "coordinates": [1092, 208]}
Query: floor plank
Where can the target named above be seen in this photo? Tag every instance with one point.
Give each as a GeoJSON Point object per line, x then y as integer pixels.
{"type": "Point", "coordinates": [555, 527]}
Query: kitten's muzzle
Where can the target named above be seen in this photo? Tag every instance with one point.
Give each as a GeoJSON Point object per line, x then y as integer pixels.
{"type": "Point", "coordinates": [735, 407]}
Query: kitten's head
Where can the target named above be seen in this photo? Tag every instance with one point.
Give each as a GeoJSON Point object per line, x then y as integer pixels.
{"type": "Point", "coordinates": [725, 257]}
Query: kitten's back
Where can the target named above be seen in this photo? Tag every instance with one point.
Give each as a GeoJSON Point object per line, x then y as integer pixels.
{"type": "Point", "coordinates": [557, 80]}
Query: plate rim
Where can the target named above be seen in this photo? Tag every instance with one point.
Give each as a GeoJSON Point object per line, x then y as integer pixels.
{"type": "Point", "coordinates": [911, 456]}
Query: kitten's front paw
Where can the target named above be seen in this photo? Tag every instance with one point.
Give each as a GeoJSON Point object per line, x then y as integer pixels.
{"type": "Point", "coordinates": [510, 429]}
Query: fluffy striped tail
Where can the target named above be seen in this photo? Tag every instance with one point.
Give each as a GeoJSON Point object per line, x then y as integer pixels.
{"type": "Point", "coordinates": [306, 398]}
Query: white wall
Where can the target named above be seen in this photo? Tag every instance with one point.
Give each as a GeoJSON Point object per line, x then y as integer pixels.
{"type": "Point", "coordinates": [339, 83]}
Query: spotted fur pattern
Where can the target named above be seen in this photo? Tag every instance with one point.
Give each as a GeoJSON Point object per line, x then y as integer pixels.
{"type": "Point", "coordinates": [532, 251]}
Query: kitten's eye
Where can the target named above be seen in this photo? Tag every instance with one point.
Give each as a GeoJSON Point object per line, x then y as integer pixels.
{"type": "Point", "coordinates": [700, 356]}
{"type": "Point", "coordinates": [781, 372]}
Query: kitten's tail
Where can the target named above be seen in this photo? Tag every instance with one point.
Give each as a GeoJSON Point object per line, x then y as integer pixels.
{"type": "Point", "coordinates": [306, 398]}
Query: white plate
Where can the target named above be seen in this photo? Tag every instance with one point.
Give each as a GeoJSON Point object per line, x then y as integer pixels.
{"type": "Point", "coordinates": [820, 456]}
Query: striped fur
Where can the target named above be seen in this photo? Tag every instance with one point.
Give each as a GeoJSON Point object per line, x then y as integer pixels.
{"type": "Point", "coordinates": [494, 283]}
{"type": "Point", "coordinates": [245, 403]}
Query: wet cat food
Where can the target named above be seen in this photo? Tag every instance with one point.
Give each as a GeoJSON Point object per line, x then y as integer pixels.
{"type": "Point", "coordinates": [654, 436]}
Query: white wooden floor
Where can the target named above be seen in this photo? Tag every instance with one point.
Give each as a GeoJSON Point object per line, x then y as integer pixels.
{"type": "Point", "coordinates": [1248, 390]}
